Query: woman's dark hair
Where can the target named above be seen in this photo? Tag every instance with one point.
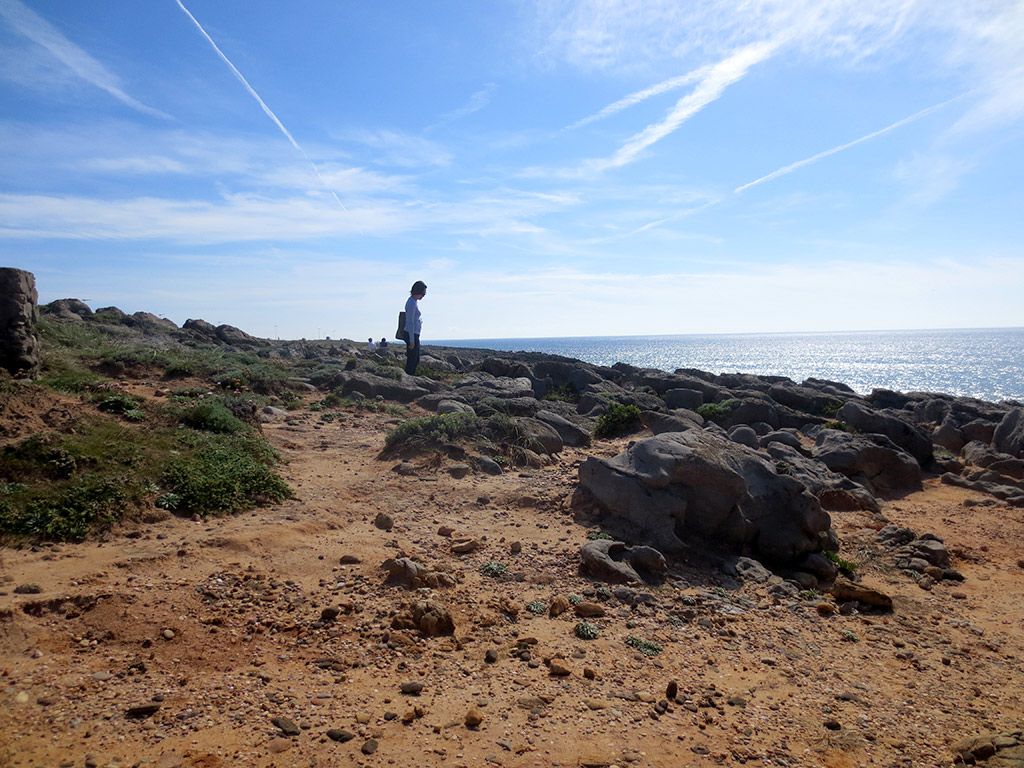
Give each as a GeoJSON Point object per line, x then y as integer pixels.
{"type": "Point", "coordinates": [418, 287]}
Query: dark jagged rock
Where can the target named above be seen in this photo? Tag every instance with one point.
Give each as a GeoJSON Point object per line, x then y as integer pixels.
{"type": "Point", "coordinates": [874, 461]}
{"type": "Point", "coordinates": [804, 399]}
{"type": "Point", "coordinates": [678, 420]}
{"type": "Point", "coordinates": [406, 390]}
{"type": "Point", "coordinates": [1009, 435]}
{"type": "Point", "coordinates": [616, 562]}
{"type": "Point", "coordinates": [696, 484]}
{"type": "Point", "coordinates": [570, 433]}
{"type": "Point", "coordinates": [834, 490]}
{"type": "Point", "coordinates": [904, 434]}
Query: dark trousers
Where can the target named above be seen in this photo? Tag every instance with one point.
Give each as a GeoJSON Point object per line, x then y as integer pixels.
{"type": "Point", "coordinates": [412, 357]}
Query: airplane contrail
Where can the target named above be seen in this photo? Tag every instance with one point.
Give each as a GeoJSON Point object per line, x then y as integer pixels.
{"type": "Point", "coordinates": [266, 109]}
{"type": "Point", "coordinates": [807, 161]}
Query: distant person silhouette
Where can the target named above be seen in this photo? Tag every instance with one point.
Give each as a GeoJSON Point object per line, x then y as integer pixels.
{"type": "Point", "coordinates": [413, 324]}
{"type": "Point", "coordinates": [370, 346]}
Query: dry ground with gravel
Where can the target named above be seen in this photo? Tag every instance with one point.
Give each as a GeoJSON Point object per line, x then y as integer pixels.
{"type": "Point", "coordinates": [203, 643]}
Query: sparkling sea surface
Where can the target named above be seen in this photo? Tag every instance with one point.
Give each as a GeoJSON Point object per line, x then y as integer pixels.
{"type": "Point", "coordinates": [986, 363]}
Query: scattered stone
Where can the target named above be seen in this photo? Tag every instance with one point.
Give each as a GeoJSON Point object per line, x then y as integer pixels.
{"type": "Point", "coordinates": [369, 746]}
{"type": "Point", "coordinates": [139, 711]}
{"type": "Point", "coordinates": [473, 718]}
{"type": "Point", "coordinates": [465, 547]}
{"type": "Point", "coordinates": [587, 610]}
{"type": "Point", "coordinates": [384, 521]}
{"type": "Point", "coordinates": [558, 668]}
{"type": "Point", "coordinates": [844, 589]}
{"type": "Point", "coordinates": [285, 726]}
{"type": "Point", "coordinates": [28, 589]}
{"type": "Point", "coordinates": [413, 688]}
{"type": "Point", "coordinates": [279, 744]}
{"type": "Point", "coordinates": [559, 605]}
{"type": "Point", "coordinates": [340, 735]}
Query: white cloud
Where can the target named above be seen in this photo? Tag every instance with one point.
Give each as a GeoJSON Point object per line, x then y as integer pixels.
{"type": "Point", "coordinates": [28, 23]}
{"type": "Point", "coordinates": [712, 84]}
{"type": "Point", "coordinates": [477, 101]}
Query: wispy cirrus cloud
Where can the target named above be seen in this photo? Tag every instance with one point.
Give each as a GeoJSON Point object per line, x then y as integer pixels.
{"type": "Point", "coordinates": [640, 96]}
{"type": "Point", "coordinates": [477, 101]}
{"type": "Point", "coordinates": [712, 83]}
{"type": "Point", "coordinates": [32, 26]}
{"type": "Point", "coordinates": [828, 152]}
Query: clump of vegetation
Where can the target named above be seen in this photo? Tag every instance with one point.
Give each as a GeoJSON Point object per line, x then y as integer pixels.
{"type": "Point", "coordinates": [442, 428]}
{"type": "Point", "coordinates": [584, 630]}
{"type": "Point", "coordinates": [223, 474]}
{"type": "Point", "coordinates": [837, 425]}
{"type": "Point", "coordinates": [618, 419]}
{"type": "Point", "coordinates": [537, 606]}
{"type": "Point", "coordinates": [595, 535]}
{"type": "Point", "coordinates": [717, 411]}
{"type": "Point", "coordinates": [846, 566]}
{"type": "Point", "coordinates": [848, 636]}
{"type": "Point", "coordinates": [646, 647]}
{"type": "Point", "coordinates": [831, 408]}
{"type": "Point", "coordinates": [604, 593]}
{"type": "Point", "coordinates": [122, 404]}
{"type": "Point", "coordinates": [212, 416]}
{"type": "Point", "coordinates": [493, 569]}
{"type": "Point", "coordinates": [565, 393]}
{"type": "Point", "coordinates": [575, 599]}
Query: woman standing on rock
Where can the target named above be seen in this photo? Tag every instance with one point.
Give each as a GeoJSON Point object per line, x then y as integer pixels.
{"type": "Point", "coordinates": [413, 324]}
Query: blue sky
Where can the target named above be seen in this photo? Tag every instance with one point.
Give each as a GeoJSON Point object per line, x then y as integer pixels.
{"type": "Point", "coordinates": [547, 168]}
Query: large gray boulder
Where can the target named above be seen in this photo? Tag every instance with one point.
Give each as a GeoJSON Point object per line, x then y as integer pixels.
{"type": "Point", "coordinates": [538, 436]}
{"type": "Point", "coordinates": [66, 309]}
{"type": "Point", "coordinates": [873, 461]}
{"type": "Point", "coordinates": [405, 390]}
{"type": "Point", "coordinates": [570, 433]}
{"type": "Point", "coordinates": [678, 420]}
{"type": "Point", "coordinates": [147, 321]}
{"type": "Point", "coordinates": [19, 313]}
{"type": "Point", "coordinates": [834, 491]}
{"type": "Point", "coordinates": [697, 484]}
{"type": "Point", "coordinates": [1009, 435]}
{"type": "Point", "coordinates": [483, 384]}
{"type": "Point", "coordinates": [906, 435]}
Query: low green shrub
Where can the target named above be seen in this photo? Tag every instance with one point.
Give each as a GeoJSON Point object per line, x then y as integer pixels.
{"type": "Point", "coordinates": [223, 474]}
{"type": "Point", "coordinates": [837, 425]}
{"type": "Point", "coordinates": [646, 647]}
{"type": "Point", "coordinates": [442, 428]}
{"type": "Point", "coordinates": [618, 419]}
{"type": "Point", "coordinates": [715, 411]}
{"type": "Point", "coordinates": [537, 607]}
{"type": "Point", "coordinates": [846, 566]}
{"type": "Point", "coordinates": [584, 630]}
{"type": "Point", "coordinates": [212, 416]}
{"type": "Point", "coordinates": [831, 408]}
{"type": "Point", "coordinates": [493, 569]}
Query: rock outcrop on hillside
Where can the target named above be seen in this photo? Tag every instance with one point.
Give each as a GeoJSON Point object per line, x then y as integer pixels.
{"type": "Point", "coordinates": [19, 341]}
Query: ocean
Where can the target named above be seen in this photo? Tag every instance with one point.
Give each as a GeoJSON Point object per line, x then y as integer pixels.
{"type": "Point", "coordinates": [986, 363]}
